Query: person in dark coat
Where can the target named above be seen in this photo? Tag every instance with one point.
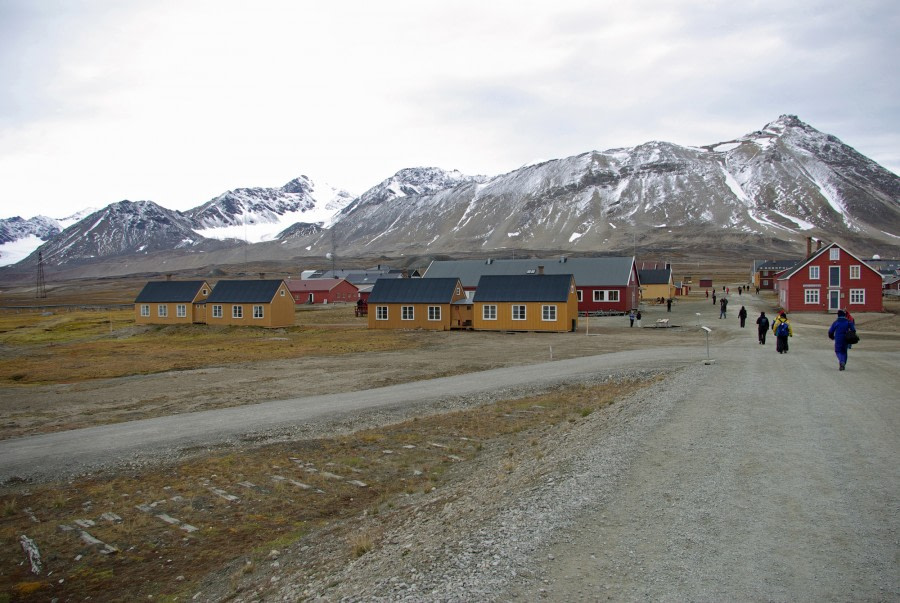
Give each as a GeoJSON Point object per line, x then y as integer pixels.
{"type": "Point", "coordinates": [762, 327]}
{"type": "Point", "coordinates": [723, 307]}
{"type": "Point", "coordinates": [781, 341]}
{"type": "Point", "coordinates": [743, 316]}
{"type": "Point", "coordinates": [838, 332]}
{"type": "Point", "coordinates": [714, 297]}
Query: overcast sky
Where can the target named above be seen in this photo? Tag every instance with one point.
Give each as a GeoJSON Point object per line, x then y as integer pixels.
{"type": "Point", "coordinates": [179, 101]}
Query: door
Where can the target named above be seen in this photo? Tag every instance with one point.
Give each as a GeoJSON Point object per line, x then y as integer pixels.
{"type": "Point", "coordinates": [834, 300]}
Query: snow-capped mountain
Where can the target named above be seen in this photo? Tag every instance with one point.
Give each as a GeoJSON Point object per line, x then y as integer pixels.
{"type": "Point", "coordinates": [260, 214]}
{"type": "Point", "coordinates": [781, 183]}
{"type": "Point", "coordinates": [20, 237]}
{"type": "Point", "coordinates": [123, 228]}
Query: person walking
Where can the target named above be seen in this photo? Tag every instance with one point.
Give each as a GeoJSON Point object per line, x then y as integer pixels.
{"type": "Point", "coordinates": [669, 305]}
{"type": "Point", "coordinates": [714, 297]}
{"type": "Point", "coordinates": [723, 308]}
{"type": "Point", "coordinates": [742, 314]}
{"type": "Point", "coordinates": [638, 318]}
{"type": "Point", "coordinates": [631, 318]}
{"type": "Point", "coordinates": [762, 327]}
{"type": "Point", "coordinates": [781, 327]}
{"type": "Point", "coordinates": [840, 332]}
{"type": "Point", "coordinates": [851, 321]}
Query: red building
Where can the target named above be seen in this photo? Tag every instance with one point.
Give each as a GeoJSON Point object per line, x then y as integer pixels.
{"type": "Point", "coordinates": [323, 291]}
{"type": "Point", "coordinates": [828, 280]}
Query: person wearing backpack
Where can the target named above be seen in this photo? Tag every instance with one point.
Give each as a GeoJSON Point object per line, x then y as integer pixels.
{"type": "Point", "coordinates": [838, 332]}
{"type": "Point", "coordinates": [782, 330]}
{"type": "Point", "coordinates": [762, 327]}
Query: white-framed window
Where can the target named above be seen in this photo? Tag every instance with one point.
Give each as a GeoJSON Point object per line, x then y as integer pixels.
{"type": "Point", "coordinates": [162, 310]}
{"type": "Point", "coordinates": [857, 296]}
{"type": "Point", "coordinates": [434, 312]}
{"type": "Point", "coordinates": [145, 310]}
{"type": "Point", "coordinates": [612, 296]}
{"type": "Point", "coordinates": [407, 313]}
{"type": "Point", "coordinates": [811, 296]}
{"type": "Point", "coordinates": [813, 273]}
{"type": "Point", "coordinates": [204, 292]}
{"type": "Point", "coordinates": [518, 312]}
{"type": "Point", "coordinates": [855, 272]}
{"type": "Point", "coordinates": [765, 283]}
{"type": "Point", "coordinates": [834, 253]}
{"type": "Point", "coordinates": [489, 312]}
{"type": "Point", "coordinates": [217, 311]}
{"type": "Point", "coordinates": [599, 295]}
{"type": "Point", "coordinates": [381, 312]}
{"type": "Point", "coordinates": [181, 311]}
{"type": "Point", "coordinates": [579, 293]}
{"type": "Point", "coordinates": [457, 291]}
{"type": "Point", "coordinates": [548, 313]}
{"type": "Point", "coordinates": [257, 311]}
{"type": "Point", "coordinates": [281, 292]}
{"type": "Point", "coordinates": [237, 311]}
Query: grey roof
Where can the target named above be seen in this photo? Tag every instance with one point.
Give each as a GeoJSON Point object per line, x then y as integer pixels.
{"type": "Point", "coordinates": [357, 277]}
{"type": "Point", "coordinates": [588, 272]}
{"type": "Point", "coordinates": [778, 264]}
{"type": "Point", "coordinates": [244, 292]}
{"type": "Point", "coordinates": [656, 276]}
{"type": "Point", "coordinates": [169, 291]}
{"type": "Point", "coordinates": [523, 288]}
{"type": "Point", "coordinates": [413, 291]}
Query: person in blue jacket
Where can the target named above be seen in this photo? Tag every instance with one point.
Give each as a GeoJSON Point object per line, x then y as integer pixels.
{"type": "Point", "coordinates": [838, 333]}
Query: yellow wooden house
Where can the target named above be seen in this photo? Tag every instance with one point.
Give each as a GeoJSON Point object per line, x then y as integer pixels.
{"type": "Point", "coordinates": [251, 303]}
{"type": "Point", "coordinates": [414, 303]}
{"type": "Point", "coordinates": [527, 302]}
{"type": "Point", "coordinates": [172, 302]}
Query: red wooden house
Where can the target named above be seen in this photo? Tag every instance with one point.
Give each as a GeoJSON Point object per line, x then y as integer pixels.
{"type": "Point", "coordinates": [323, 291]}
{"type": "Point", "coordinates": [828, 280]}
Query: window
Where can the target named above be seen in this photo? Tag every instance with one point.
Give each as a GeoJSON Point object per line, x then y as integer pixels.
{"type": "Point", "coordinates": [406, 313]}
{"type": "Point", "coordinates": [281, 293]}
{"type": "Point", "coordinates": [813, 273]}
{"type": "Point", "coordinates": [857, 296]}
{"type": "Point", "coordinates": [579, 296]}
{"type": "Point", "coordinates": [612, 296]}
{"type": "Point", "coordinates": [162, 310]}
{"type": "Point", "coordinates": [145, 309]}
{"type": "Point", "coordinates": [489, 312]}
{"type": "Point", "coordinates": [204, 292]}
{"type": "Point", "coordinates": [217, 311]}
{"type": "Point", "coordinates": [257, 311]}
{"type": "Point", "coordinates": [811, 296]}
{"type": "Point", "coordinates": [237, 311]}
{"type": "Point", "coordinates": [434, 312]}
{"type": "Point", "coordinates": [854, 272]}
{"type": "Point", "coordinates": [381, 312]}
{"type": "Point", "coordinates": [834, 253]}
{"type": "Point", "coordinates": [457, 291]}
{"type": "Point", "coordinates": [180, 311]}
{"type": "Point", "coordinates": [599, 295]}
{"type": "Point", "coordinates": [518, 312]}
{"type": "Point", "coordinates": [548, 313]}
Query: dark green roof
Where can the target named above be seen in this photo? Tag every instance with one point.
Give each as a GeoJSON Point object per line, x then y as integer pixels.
{"type": "Point", "coordinates": [160, 292]}
{"type": "Point", "coordinates": [523, 288]}
{"type": "Point", "coordinates": [245, 292]}
{"type": "Point", "coordinates": [413, 291]}
{"type": "Point", "coordinates": [655, 276]}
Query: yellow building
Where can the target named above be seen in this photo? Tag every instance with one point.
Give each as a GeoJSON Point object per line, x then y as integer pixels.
{"type": "Point", "coordinates": [257, 303]}
{"type": "Point", "coordinates": [656, 285]}
{"type": "Point", "coordinates": [535, 302]}
{"type": "Point", "coordinates": [414, 303]}
{"type": "Point", "coordinates": [172, 302]}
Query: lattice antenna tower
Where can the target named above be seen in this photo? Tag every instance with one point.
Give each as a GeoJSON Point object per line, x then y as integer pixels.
{"type": "Point", "coordinates": [40, 291]}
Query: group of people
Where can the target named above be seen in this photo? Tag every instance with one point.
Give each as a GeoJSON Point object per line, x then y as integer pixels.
{"type": "Point", "coordinates": [842, 332]}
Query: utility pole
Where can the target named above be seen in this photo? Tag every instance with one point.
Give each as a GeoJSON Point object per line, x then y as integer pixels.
{"type": "Point", "coordinates": [40, 291]}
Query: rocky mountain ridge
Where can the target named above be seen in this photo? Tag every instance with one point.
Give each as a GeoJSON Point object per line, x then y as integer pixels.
{"type": "Point", "coordinates": [765, 191]}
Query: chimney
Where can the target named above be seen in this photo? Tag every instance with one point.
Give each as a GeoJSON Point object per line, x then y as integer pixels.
{"type": "Point", "coordinates": [540, 270]}
{"type": "Point", "coordinates": [818, 244]}
{"type": "Point", "coordinates": [262, 276]}
{"type": "Point", "coordinates": [168, 277]}
{"type": "Point", "coordinates": [808, 246]}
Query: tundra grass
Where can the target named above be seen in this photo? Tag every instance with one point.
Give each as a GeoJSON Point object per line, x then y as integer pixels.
{"type": "Point", "coordinates": [76, 346]}
{"type": "Point", "coordinates": [234, 507]}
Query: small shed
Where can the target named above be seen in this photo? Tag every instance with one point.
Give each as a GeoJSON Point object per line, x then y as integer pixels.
{"type": "Point", "coordinates": [258, 303]}
{"type": "Point", "coordinates": [539, 302]}
{"type": "Point", "coordinates": [706, 282]}
{"type": "Point", "coordinates": [172, 302]}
